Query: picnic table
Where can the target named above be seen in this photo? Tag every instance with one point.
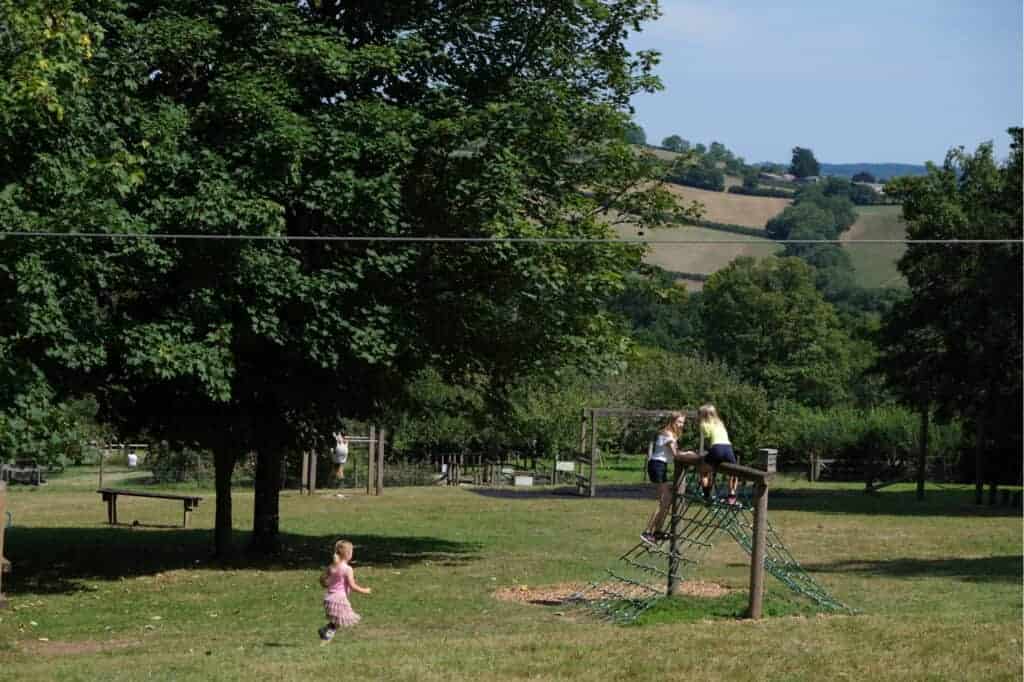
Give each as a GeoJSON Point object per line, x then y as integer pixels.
{"type": "Point", "coordinates": [110, 496]}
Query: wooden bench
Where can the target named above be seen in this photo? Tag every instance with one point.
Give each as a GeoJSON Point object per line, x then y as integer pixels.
{"type": "Point", "coordinates": [110, 496]}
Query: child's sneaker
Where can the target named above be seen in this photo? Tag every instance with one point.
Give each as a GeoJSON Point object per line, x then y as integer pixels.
{"type": "Point", "coordinates": [326, 634]}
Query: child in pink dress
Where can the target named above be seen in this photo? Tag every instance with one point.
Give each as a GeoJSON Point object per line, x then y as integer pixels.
{"type": "Point", "coordinates": [340, 580]}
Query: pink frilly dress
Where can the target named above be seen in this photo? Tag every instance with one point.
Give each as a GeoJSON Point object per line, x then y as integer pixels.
{"type": "Point", "coordinates": [336, 605]}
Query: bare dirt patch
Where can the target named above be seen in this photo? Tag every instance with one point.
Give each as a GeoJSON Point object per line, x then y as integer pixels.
{"type": "Point", "coordinates": [559, 593]}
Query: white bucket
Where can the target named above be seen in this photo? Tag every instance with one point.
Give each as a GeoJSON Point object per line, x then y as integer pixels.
{"type": "Point", "coordinates": [133, 459]}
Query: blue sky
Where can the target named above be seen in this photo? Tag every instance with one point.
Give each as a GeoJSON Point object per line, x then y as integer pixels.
{"type": "Point", "coordinates": [870, 81]}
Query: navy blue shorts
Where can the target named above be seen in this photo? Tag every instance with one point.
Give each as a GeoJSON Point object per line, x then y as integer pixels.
{"type": "Point", "coordinates": [722, 452]}
{"type": "Point", "coordinates": [657, 471]}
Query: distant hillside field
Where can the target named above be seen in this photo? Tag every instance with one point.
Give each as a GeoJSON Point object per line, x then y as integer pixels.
{"type": "Point", "coordinates": [875, 264]}
{"type": "Point", "coordinates": [734, 209]}
{"type": "Point", "coordinates": [699, 258]}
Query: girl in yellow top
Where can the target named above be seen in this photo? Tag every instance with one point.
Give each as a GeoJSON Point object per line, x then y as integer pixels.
{"type": "Point", "coordinates": [719, 450]}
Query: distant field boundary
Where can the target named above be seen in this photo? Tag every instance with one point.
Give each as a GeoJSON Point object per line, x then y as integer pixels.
{"type": "Point", "coordinates": [692, 276]}
{"type": "Point", "coordinates": [726, 227]}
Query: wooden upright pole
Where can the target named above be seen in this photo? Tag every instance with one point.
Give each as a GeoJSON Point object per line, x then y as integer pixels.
{"type": "Point", "coordinates": [583, 449]}
{"type": "Point", "coordinates": [380, 460]}
{"type": "Point", "coordinates": [593, 452]}
{"type": "Point", "coordinates": [758, 550]}
{"type": "Point", "coordinates": [370, 455]}
{"type": "Point", "coordinates": [674, 583]}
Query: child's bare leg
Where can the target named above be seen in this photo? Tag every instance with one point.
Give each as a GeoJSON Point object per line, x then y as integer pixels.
{"type": "Point", "coordinates": [664, 502]}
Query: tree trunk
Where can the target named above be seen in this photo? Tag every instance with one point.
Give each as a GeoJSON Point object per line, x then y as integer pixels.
{"type": "Point", "coordinates": [922, 455]}
{"type": "Point", "coordinates": [979, 465]}
{"type": "Point", "coordinates": [223, 467]}
{"type": "Point", "coordinates": [265, 515]}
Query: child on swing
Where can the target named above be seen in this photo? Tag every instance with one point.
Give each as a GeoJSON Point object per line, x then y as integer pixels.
{"type": "Point", "coordinates": [340, 580]}
{"type": "Point", "coordinates": [719, 450]}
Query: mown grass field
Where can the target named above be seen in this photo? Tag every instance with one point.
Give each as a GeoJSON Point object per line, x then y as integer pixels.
{"type": "Point", "coordinates": [938, 586]}
{"type": "Point", "coordinates": [733, 209]}
{"type": "Point", "coordinates": [875, 264]}
{"type": "Point", "coordinates": [702, 258]}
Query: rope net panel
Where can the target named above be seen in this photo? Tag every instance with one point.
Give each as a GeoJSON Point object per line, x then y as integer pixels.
{"type": "Point", "coordinates": [640, 577]}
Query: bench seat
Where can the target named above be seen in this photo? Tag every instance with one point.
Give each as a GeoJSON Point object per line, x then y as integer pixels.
{"type": "Point", "coordinates": [110, 496]}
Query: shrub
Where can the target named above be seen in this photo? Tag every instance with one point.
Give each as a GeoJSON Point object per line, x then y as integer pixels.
{"type": "Point", "coordinates": [760, 192]}
{"type": "Point", "coordinates": [51, 433]}
{"type": "Point", "coordinates": [701, 177]}
{"type": "Point", "coordinates": [179, 463]}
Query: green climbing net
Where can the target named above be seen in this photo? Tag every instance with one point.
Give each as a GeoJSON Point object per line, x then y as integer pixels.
{"type": "Point", "coordinates": [640, 577]}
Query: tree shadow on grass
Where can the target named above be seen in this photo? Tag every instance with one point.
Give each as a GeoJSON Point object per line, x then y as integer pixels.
{"type": "Point", "coordinates": [894, 502]}
{"type": "Point", "coordinates": [59, 560]}
{"type": "Point", "coordinates": [993, 569]}
{"type": "Point", "coordinates": [826, 499]}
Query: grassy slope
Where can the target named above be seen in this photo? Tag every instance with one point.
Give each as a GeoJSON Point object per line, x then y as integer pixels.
{"type": "Point", "coordinates": [876, 263]}
{"type": "Point", "coordinates": [735, 209]}
{"type": "Point", "coordinates": [938, 584]}
{"type": "Point", "coordinates": [700, 258]}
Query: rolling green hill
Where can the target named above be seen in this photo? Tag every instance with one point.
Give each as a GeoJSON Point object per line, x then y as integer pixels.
{"type": "Point", "coordinates": [875, 264]}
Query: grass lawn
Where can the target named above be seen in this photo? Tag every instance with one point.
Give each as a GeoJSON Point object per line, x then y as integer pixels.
{"type": "Point", "coordinates": [938, 586]}
{"type": "Point", "coordinates": [875, 264]}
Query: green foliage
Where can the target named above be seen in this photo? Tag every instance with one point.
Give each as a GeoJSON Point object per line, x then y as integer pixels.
{"type": "Point", "coordinates": [179, 463]}
{"type": "Point", "coordinates": [660, 313]}
{"type": "Point", "coordinates": [634, 134]}
{"type": "Point", "coordinates": [53, 434]}
{"type": "Point", "coordinates": [804, 165]}
{"type": "Point", "coordinates": [806, 218]}
{"type": "Point", "coordinates": [766, 319]}
{"type": "Point", "coordinates": [864, 176]}
{"type": "Point", "coordinates": [860, 437]}
{"type": "Point", "coordinates": [756, 191]}
{"type": "Point", "coordinates": [271, 119]}
{"type": "Point", "coordinates": [674, 143]}
{"type": "Point", "coordinates": [701, 176]}
{"type": "Point", "coordinates": [544, 413]}
{"type": "Point", "coordinates": [956, 342]}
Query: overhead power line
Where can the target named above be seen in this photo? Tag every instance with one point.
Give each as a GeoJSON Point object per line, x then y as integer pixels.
{"type": "Point", "coordinates": [484, 240]}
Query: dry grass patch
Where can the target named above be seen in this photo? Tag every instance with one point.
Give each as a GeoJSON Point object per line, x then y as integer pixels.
{"type": "Point", "coordinates": [734, 209]}
{"type": "Point", "coordinates": [704, 258]}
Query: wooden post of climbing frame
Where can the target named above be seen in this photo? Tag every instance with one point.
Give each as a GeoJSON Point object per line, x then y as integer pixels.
{"type": "Point", "coordinates": [593, 453]}
{"type": "Point", "coordinates": [583, 450]}
{"type": "Point", "coordinates": [678, 500]}
{"type": "Point", "coordinates": [371, 454]}
{"type": "Point", "coordinates": [380, 461]}
{"type": "Point", "coordinates": [4, 564]}
{"type": "Point", "coordinates": [757, 552]}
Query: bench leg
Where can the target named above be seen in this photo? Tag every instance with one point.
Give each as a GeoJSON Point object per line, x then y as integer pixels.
{"type": "Point", "coordinates": [112, 510]}
{"type": "Point", "coordinates": [188, 514]}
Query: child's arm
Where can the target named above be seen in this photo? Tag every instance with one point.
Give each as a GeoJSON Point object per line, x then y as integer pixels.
{"type": "Point", "coordinates": [356, 586]}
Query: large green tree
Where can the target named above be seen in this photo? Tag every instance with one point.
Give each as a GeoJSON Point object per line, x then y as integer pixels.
{"type": "Point", "coordinates": [294, 127]}
{"type": "Point", "coordinates": [803, 164]}
{"type": "Point", "coordinates": [765, 319]}
{"type": "Point", "coordinates": [955, 344]}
